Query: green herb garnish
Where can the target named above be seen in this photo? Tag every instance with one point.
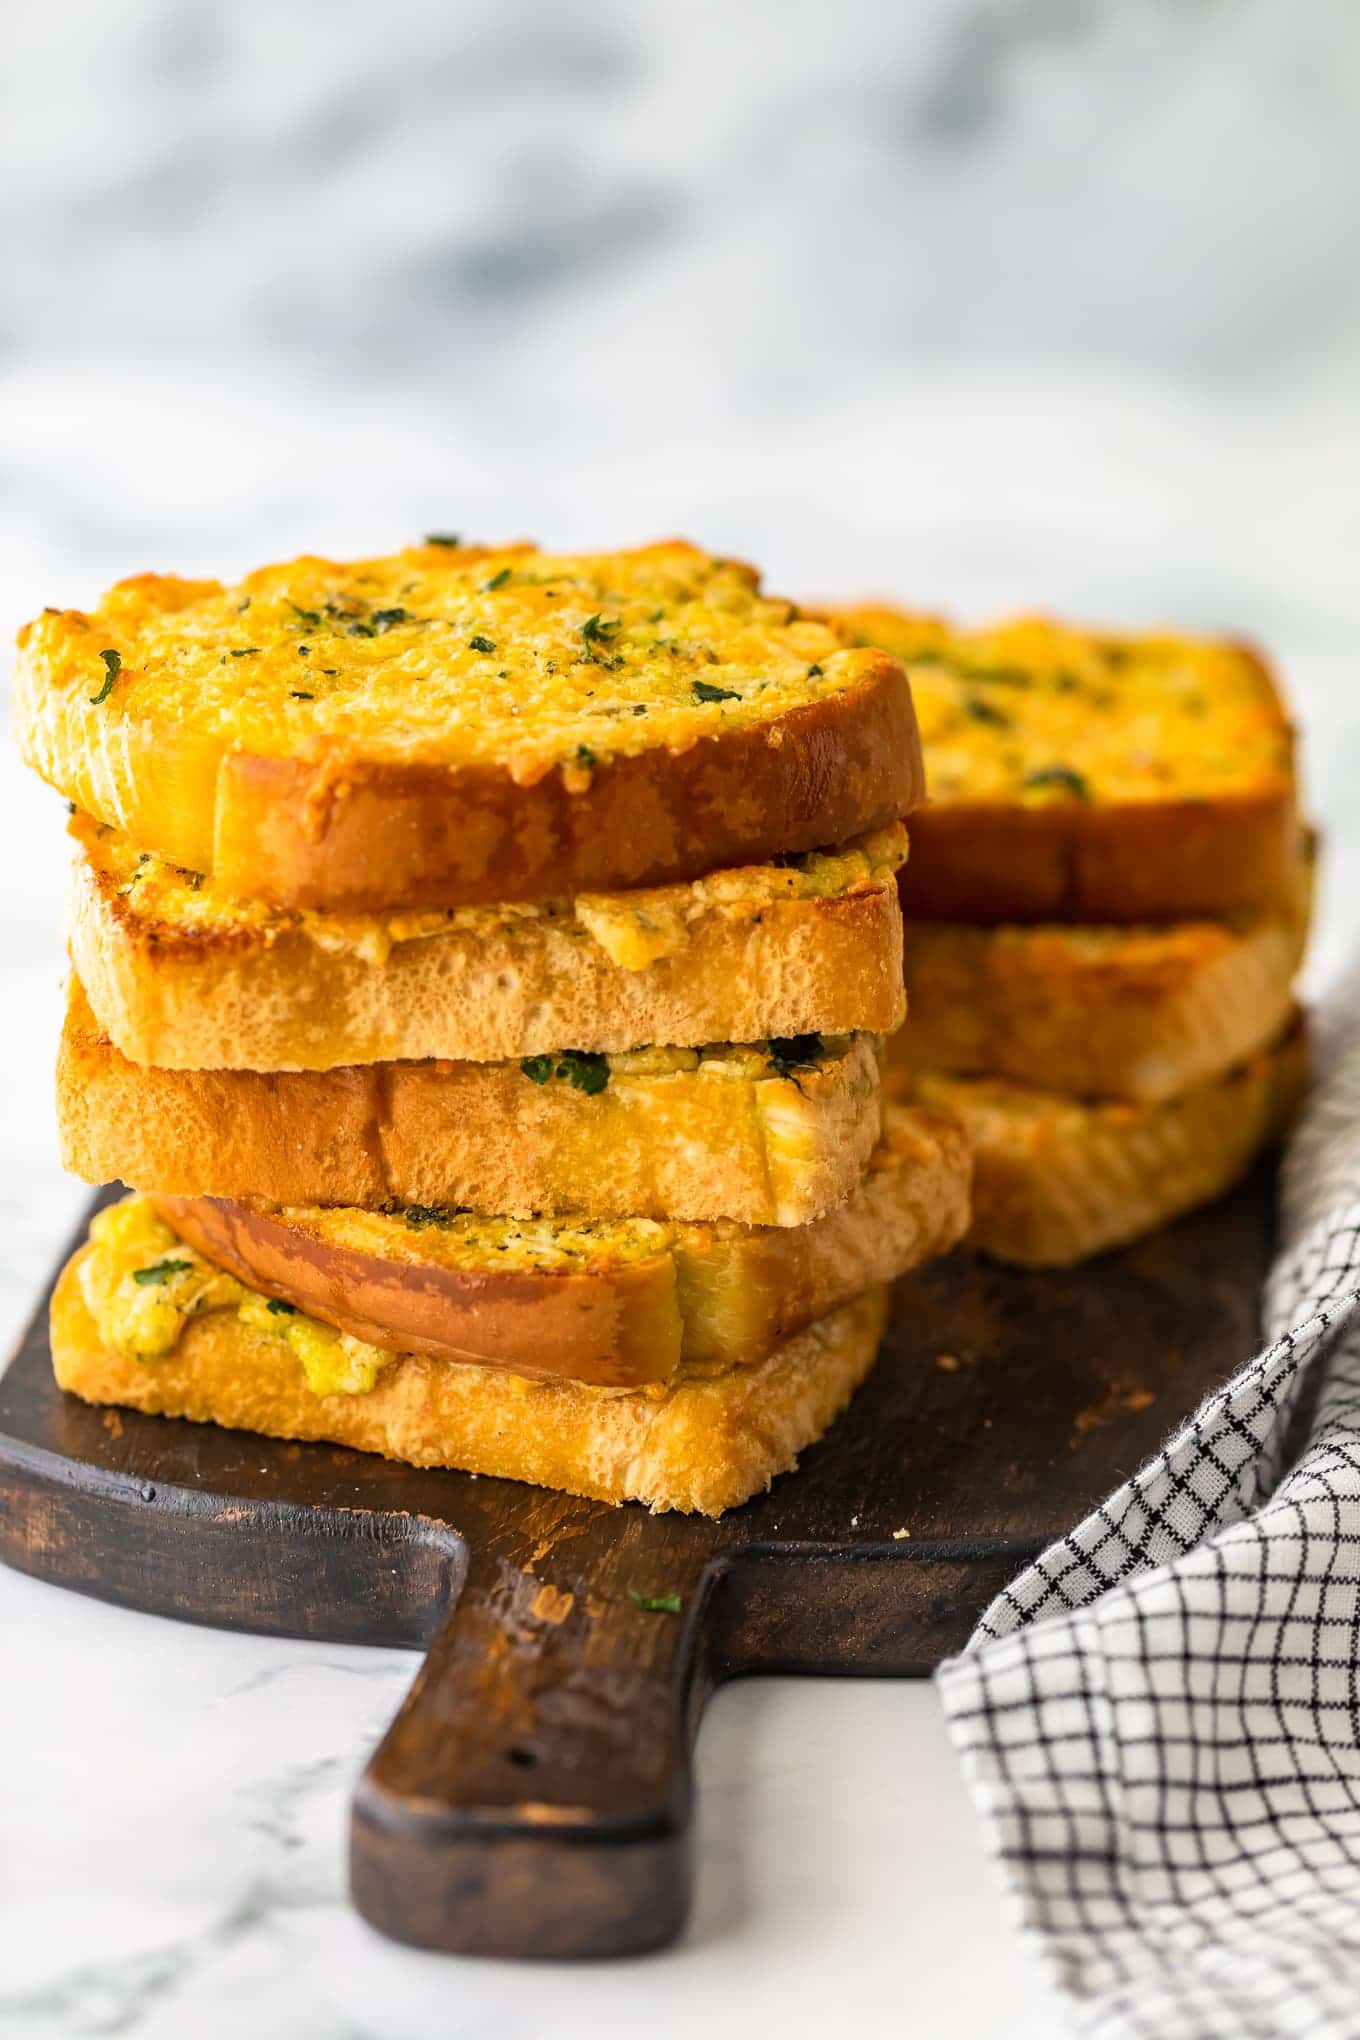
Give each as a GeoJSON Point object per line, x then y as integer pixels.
{"type": "Point", "coordinates": [278, 1308]}
{"type": "Point", "coordinates": [579, 1067]}
{"type": "Point", "coordinates": [984, 712]}
{"type": "Point", "coordinates": [480, 644]}
{"type": "Point", "coordinates": [1063, 777]}
{"type": "Point", "coordinates": [814, 673]}
{"type": "Point", "coordinates": [417, 1215]}
{"type": "Point", "coordinates": [597, 629]}
{"type": "Point", "coordinates": [113, 666]}
{"type": "Point", "coordinates": [312, 616]}
{"type": "Point", "coordinates": [657, 1604]}
{"type": "Point", "coordinates": [449, 538]}
{"type": "Point", "coordinates": [301, 694]}
{"type": "Point", "coordinates": [585, 756]}
{"type": "Point", "coordinates": [497, 581]}
{"type": "Point", "coordinates": [704, 690]}
{"type": "Point", "coordinates": [790, 1052]}
{"type": "Point", "coordinates": [583, 1070]}
{"type": "Point", "coordinates": [252, 652]}
{"type": "Point", "coordinates": [387, 619]}
{"type": "Point", "coordinates": [159, 1272]}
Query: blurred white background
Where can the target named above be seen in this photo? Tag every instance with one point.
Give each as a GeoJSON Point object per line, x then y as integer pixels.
{"type": "Point", "coordinates": [986, 302]}
{"type": "Point", "coordinates": [983, 302]}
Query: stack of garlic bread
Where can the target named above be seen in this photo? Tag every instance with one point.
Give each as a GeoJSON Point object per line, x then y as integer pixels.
{"type": "Point", "coordinates": [1107, 905]}
{"type": "Point", "coordinates": [481, 966]}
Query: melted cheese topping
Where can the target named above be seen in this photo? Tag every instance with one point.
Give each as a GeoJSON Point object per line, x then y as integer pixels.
{"type": "Point", "coordinates": [634, 929]}
{"type": "Point", "coordinates": [508, 657]}
{"type": "Point", "coordinates": [144, 1319]}
{"type": "Point", "coordinates": [1036, 712]}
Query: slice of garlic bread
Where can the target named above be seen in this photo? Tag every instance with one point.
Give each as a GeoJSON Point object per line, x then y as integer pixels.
{"type": "Point", "coordinates": [450, 725]}
{"type": "Point", "coordinates": [1138, 1013]}
{"type": "Point", "coordinates": [771, 1133]}
{"type": "Point", "coordinates": [1058, 1179]}
{"type": "Point", "coordinates": [703, 1445]}
{"type": "Point", "coordinates": [618, 1303]}
{"type": "Point", "coordinates": [185, 976]}
{"type": "Point", "coordinates": [1080, 775]}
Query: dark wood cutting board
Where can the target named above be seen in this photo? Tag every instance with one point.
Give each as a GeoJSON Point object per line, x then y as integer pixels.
{"type": "Point", "coordinates": [533, 1795]}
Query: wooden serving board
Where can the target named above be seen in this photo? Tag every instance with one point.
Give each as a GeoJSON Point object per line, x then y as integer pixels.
{"type": "Point", "coordinates": [533, 1796]}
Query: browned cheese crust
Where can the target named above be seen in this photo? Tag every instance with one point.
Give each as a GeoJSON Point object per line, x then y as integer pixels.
{"type": "Point", "coordinates": [449, 726]}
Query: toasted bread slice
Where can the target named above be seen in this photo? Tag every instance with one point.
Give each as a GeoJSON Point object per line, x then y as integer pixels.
{"type": "Point", "coordinates": [615, 1303]}
{"type": "Point", "coordinates": [1082, 776]}
{"type": "Point", "coordinates": [1058, 1180]}
{"type": "Point", "coordinates": [452, 726]}
{"type": "Point", "coordinates": [771, 1134]}
{"type": "Point", "coordinates": [1137, 1013]}
{"type": "Point", "coordinates": [186, 977]}
{"type": "Point", "coordinates": [703, 1445]}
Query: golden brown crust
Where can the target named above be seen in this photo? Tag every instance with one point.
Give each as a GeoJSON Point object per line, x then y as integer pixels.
{"type": "Point", "coordinates": [473, 727]}
{"type": "Point", "coordinates": [630, 1310]}
{"type": "Point", "coordinates": [679, 1143]}
{"type": "Point", "coordinates": [1058, 1180]}
{"type": "Point", "coordinates": [704, 1446]}
{"type": "Point", "coordinates": [1139, 1013]}
{"type": "Point", "coordinates": [183, 978]}
{"type": "Point", "coordinates": [986, 861]}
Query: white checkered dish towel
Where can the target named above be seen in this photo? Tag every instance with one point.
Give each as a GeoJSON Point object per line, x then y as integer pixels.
{"type": "Point", "coordinates": [1159, 1720]}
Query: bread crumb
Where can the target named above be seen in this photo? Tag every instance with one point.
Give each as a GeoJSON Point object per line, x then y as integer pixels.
{"type": "Point", "coordinates": [898, 1535]}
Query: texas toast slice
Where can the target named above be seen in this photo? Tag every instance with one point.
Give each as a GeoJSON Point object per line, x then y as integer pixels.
{"type": "Point", "coordinates": [618, 1303]}
{"type": "Point", "coordinates": [450, 726]}
{"type": "Point", "coordinates": [185, 976]}
{"type": "Point", "coordinates": [1139, 1013]}
{"type": "Point", "coordinates": [1086, 776]}
{"type": "Point", "coordinates": [1059, 1179]}
{"type": "Point", "coordinates": [771, 1133]}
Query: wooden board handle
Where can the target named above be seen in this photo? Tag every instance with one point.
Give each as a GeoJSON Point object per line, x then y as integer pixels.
{"type": "Point", "coordinates": [532, 1797]}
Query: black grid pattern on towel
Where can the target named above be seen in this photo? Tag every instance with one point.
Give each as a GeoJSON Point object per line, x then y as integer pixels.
{"type": "Point", "coordinates": [1160, 1719]}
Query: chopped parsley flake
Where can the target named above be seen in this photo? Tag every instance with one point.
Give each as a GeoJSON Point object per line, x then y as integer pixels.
{"type": "Point", "coordinates": [497, 581]}
{"type": "Point", "coordinates": [449, 538]}
{"type": "Point", "coordinates": [113, 666]}
{"type": "Point", "coordinates": [585, 756]}
{"type": "Point", "coordinates": [579, 1067]}
{"type": "Point", "coordinates": [985, 712]}
{"type": "Point", "coordinates": [387, 619]}
{"type": "Point", "coordinates": [159, 1272]}
{"type": "Point", "coordinates": [417, 1215]}
{"type": "Point", "coordinates": [657, 1604]}
{"type": "Point", "coordinates": [300, 694]}
{"type": "Point", "coordinates": [480, 644]}
{"type": "Point", "coordinates": [1063, 778]}
{"type": "Point", "coordinates": [704, 690]}
{"type": "Point", "coordinates": [597, 629]}
{"type": "Point", "coordinates": [278, 1308]}
{"type": "Point", "coordinates": [814, 672]}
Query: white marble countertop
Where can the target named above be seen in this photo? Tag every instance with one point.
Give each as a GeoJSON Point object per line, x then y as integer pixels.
{"type": "Point", "coordinates": [174, 1799]}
